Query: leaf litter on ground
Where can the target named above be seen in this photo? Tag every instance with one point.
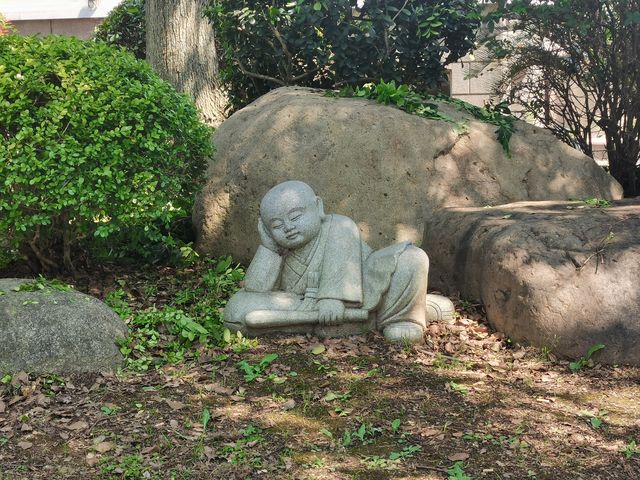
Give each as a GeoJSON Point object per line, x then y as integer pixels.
{"type": "Point", "coordinates": [524, 415]}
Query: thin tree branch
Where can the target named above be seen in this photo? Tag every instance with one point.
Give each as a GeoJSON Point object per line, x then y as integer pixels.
{"type": "Point", "coordinates": [303, 75]}
{"type": "Point", "coordinates": [258, 75]}
{"type": "Point", "coordinates": [393, 20]}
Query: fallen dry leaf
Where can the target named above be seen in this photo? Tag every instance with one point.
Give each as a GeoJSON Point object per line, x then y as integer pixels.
{"type": "Point", "coordinates": [79, 425]}
{"type": "Point", "coordinates": [3, 406]}
{"type": "Point", "coordinates": [19, 378]}
{"type": "Point", "coordinates": [103, 447]}
{"type": "Point", "coordinates": [318, 348]}
{"type": "Point", "coordinates": [210, 453]}
{"type": "Point", "coordinates": [519, 354]}
{"type": "Point", "coordinates": [174, 404]}
{"type": "Point", "coordinates": [457, 457]}
{"type": "Point", "coordinates": [25, 445]}
{"type": "Point", "coordinates": [214, 387]}
{"type": "Point", "coordinates": [288, 405]}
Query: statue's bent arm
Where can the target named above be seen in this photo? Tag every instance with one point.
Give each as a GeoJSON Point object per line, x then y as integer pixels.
{"type": "Point", "coordinates": [264, 271]}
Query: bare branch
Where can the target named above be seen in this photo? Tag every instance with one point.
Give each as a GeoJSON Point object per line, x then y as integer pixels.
{"type": "Point", "coordinates": [304, 75]}
{"type": "Point", "coordinates": [258, 75]}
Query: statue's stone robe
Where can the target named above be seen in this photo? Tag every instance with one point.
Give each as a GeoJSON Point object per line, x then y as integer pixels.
{"type": "Point", "coordinates": [390, 284]}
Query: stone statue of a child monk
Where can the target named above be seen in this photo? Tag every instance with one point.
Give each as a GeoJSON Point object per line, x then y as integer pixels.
{"type": "Point", "coordinates": [313, 273]}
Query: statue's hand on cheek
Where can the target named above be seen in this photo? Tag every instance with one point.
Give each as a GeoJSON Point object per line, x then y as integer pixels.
{"type": "Point", "coordinates": [331, 311]}
{"type": "Point", "coordinates": [266, 239]}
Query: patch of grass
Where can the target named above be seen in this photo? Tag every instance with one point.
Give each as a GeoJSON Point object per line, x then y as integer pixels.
{"type": "Point", "coordinates": [240, 451]}
{"type": "Point", "coordinates": [42, 283]}
{"type": "Point", "coordinates": [450, 363]}
{"type": "Point", "coordinates": [128, 467]}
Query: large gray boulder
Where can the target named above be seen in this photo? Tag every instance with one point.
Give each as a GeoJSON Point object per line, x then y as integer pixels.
{"type": "Point", "coordinates": [560, 275]}
{"type": "Point", "coordinates": [386, 169]}
{"type": "Point", "coordinates": [53, 331]}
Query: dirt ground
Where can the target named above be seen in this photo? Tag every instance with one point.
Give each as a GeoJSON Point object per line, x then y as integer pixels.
{"type": "Point", "coordinates": [465, 405]}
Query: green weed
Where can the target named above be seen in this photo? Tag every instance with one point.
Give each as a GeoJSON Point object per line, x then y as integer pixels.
{"type": "Point", "coordinates": [597, 202]}
{"type": "Point", "coordinates": [424, 106]}
{"type": "Point", "coordinates": [251, 372]}
{"type": "Point", "coordinates": [631, 450]}
{"type": "Point", "coordinates": [457, 387]}
{"type": "Point", "coordinates": [42, 283]}
{"type": "Point", "coordinates": [158, 336]}
{"type": "Point", "coordinates": [129, 467]}
{"type": "Point", "coordinates": [584, 361]}
{"type": "Point", "coordinates": [116, 300]}
{"type": "Point", "coordinates": [456, 472]}
{"type": "Point", "coordinates": [237, 452]}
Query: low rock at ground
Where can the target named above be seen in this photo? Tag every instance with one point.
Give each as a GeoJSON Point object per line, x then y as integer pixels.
{"type": "Point", "coordinates": [47, 330]}
{"type": "Point", "coordinates": [385, 168]}
{"type": "Point", "coordinates": [561, 275]}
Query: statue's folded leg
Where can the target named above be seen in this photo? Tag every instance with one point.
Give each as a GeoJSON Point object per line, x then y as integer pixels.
{"type": "Point", "coordinates": [244, 302]}
{"type": "Point", "coordinates": [402, 310]}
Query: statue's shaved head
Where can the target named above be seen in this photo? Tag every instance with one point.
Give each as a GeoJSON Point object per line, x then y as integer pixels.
{"type": "Point", "coordinates": [292, 192]}
{"type": "Point", "coordinates": [292, 213]}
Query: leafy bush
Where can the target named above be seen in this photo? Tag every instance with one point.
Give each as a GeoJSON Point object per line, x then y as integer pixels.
{"type": "Point", "coordinates": [125, 27]}
{"type": "Point", "coordinates": [323, 43]}
{"type": "Point", "coordinates": [94, 146]}
{"type": "Point", "coordinates": [426, 106]}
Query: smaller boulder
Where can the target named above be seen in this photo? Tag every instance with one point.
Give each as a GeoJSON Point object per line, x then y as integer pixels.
{"type": "Point", "coordinates": [561, 275]}
{"type": "Point", "coordinates": [46, 330]}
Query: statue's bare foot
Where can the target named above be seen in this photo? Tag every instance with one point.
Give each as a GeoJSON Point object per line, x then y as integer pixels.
{"type": "Point", "coordinates": [439, 309]}
{"type": "Point", "coordinates": [404, 332]}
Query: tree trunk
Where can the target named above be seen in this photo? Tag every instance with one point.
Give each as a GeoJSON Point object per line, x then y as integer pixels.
{"type": "Point", "coordinates": [181, 48]}
{"type": "Point", "coordinates": [622, 166]}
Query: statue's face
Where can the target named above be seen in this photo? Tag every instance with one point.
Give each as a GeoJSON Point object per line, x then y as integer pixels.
{"type": "Point", "coordinates": [292, 216]}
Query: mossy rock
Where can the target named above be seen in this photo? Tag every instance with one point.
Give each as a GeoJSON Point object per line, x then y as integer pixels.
{"type": "Point", "coordinates": [47, 330]}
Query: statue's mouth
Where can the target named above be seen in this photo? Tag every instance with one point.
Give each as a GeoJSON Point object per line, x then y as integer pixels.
{"type": "Point", "coordinates": [292, 236]}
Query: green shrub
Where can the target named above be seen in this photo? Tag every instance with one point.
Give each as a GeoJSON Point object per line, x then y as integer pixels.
{"type": "Point", "coordinates": [125, 26]}
{"type": "Point", "coordinates": [329, 44]}
{"type": "Point", "coordinates": [93, 146]}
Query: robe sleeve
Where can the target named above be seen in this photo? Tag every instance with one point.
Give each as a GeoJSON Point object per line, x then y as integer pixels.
{"type": "Point", "coordinates": [263, 272]}
{"type": "Point", "coordinates": [341, 272]}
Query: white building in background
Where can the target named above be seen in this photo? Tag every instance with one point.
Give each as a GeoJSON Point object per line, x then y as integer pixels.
{"type": "Point", "coordinates": [63, 17]}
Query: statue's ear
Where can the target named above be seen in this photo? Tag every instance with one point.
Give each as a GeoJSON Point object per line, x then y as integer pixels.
{"type": "Point", "coordinates": [320, 207]}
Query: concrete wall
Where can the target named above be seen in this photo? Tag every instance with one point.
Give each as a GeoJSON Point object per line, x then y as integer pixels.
{"type": "Point", "coordinates": [78, 27]}
{"type": "Point", "coordinates": [63, 17]}
{"type": "Point", "coordinates": [468, 86]}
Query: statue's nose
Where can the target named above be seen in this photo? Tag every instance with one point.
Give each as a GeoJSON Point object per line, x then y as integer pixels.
{"type": "Point", "coordinates": [288, 226]}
